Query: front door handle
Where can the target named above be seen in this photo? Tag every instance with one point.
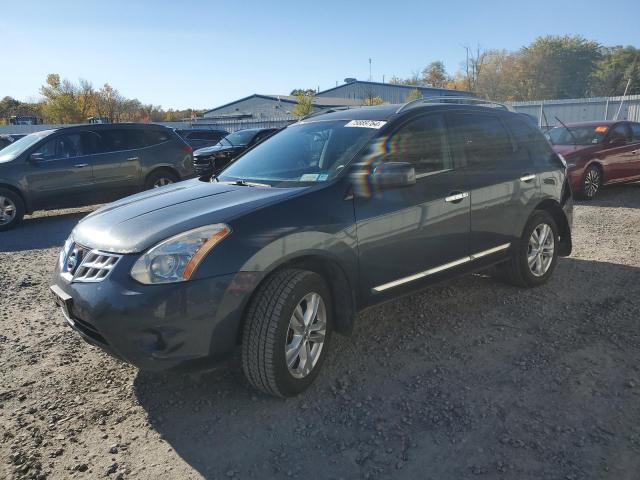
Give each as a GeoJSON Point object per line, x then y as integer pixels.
{"type": "Point", "coordinates": [527, 178]}
{"type": "Point", "coordinates": [81, 165]}
{"type": "Point", "coordinates": [133, 159]}
{"type": "Point", "coordinates": [456, 197]}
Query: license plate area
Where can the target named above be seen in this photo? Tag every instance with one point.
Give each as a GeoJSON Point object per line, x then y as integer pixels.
{"type": "Point", "coordinates": [64, 301]}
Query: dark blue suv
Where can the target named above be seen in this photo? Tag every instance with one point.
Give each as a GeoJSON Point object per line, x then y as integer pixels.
{"type": "Point", "coordinates": [337, 212]}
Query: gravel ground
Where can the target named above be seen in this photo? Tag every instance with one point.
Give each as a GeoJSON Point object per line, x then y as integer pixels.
{"type": "Point", "coordinates": [469, 379]}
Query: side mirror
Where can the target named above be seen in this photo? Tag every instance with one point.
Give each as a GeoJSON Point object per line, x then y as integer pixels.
{"type": "Point", "coordinates": [393, 175]}
{"type": "Point", "coordinates": [36, 157]}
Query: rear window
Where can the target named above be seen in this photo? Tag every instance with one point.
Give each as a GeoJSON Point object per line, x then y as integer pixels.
{"type": "Point", "coordinates": [206, 135]}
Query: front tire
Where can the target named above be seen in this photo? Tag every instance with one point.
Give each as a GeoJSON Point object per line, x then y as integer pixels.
{"type": "Point", "coordinates": [286, 332]}
{"type": "Point", "coordinates": [160, 178]}
{"type": "Point", "coordinates": [11, 209]}
{"type": "Point", "coordinates": [535, 255]}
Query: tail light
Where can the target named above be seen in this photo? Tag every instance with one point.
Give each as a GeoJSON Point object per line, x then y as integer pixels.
{"type": "Point", "coordinates": [187, 148]}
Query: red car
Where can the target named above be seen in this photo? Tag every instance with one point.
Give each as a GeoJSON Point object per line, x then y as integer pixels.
{"type": "Point", "coordinates": [598, 153]}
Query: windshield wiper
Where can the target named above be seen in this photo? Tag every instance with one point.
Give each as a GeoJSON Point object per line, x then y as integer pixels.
{"type": "Point", "coordinates": [243, 183]}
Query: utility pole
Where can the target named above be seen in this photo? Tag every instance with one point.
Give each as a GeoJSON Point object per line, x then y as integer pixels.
{"type": "Point", "coordinates": [369, 69]}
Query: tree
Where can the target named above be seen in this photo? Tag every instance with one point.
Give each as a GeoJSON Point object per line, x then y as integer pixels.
{"type": "Point", "coordinates": [368, 101]}
{"type": "Point", "coordinates": [414, 94]}
{"type": "Point", "coordinates": [558, 67]}
{"type": "Point", "coordinates": [304, 106]}
{"type": "Point", "coordinates": [435, 74]}
{"type": "Point", "coordinates": [302, 91]}
{"type": "Point", "coordinates": [500, 77]}
{"type": "Point", "coordinates": [61, 103]}
{"type": "Point", "coordinates": [613, 71]}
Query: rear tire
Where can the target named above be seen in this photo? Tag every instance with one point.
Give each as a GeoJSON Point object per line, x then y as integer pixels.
{"type": "Point", "coordinates": [160, 178]}
{"type": "Point", "coordinates": [591, 182]}
{"type": "Point", "coordinates": [535, 255]}
{"type": "Point", "coordinates": [281, 356]}
{"type": "Point", "coordinates": [11, 209]}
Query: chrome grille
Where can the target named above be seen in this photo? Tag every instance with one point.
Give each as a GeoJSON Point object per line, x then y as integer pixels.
{"type": "Point", "coordinates": [89, 265]}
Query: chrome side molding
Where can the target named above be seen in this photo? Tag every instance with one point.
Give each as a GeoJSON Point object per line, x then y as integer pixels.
{"type": "Point", "coordinates": [440, 268]}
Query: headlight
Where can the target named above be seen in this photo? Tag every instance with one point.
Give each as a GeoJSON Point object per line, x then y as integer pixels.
{"type": "Point", "coordinates": [178, 257]}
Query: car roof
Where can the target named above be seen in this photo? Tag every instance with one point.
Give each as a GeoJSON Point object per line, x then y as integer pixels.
{"type": "Point", "coordinates": [389, 112]}
{"type": "Point", "coordinates": [108, 126]}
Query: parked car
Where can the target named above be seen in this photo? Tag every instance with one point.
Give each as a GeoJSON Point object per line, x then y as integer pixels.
{"type": "Point", "coordinates": [335, 213]}
{"type": "Point", "coordinates": [8, 138]}
{"type": "Point", "coordinates": [200, 138]}
{"type": "Point", "coordinates": [598, 153]}
{"type": "Point", "coordinates": [211, 160]}
{"type": "Point", "coordinates": [87, 164]}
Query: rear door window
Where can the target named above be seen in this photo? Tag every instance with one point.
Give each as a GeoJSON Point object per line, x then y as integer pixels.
{"type": "Point", "coordinates": [635, 131]}
{"type": "Point", "coordinates": [531, 143]}
{"type": "Point", "coordinates": [119, 139]}
{"type": "Point", "coordinates": [481, 139]}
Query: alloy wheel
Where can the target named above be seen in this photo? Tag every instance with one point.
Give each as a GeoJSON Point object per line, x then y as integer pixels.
{"type": "Point", "coordinates": [7, 210]}
{"type": "Point", "coordinates": [592, 182]}
{"type": "Point", "coordinates": [161, 182]}
{"type": "Point", "coordinates": [306, 335]}
{"type": "Point", "coordinates": [541, 249]}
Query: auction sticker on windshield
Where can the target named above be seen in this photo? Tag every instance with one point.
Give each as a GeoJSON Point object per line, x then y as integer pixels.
{"type": "Point", "coordinates": [366, 123]}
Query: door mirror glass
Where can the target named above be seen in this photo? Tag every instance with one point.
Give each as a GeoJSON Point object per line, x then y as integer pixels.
{"type": "Point", "coordinates": [393, 175]}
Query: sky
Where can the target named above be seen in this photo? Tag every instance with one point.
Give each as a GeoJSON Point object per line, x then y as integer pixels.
{"type": "Point", "coordinates": [202, 54]}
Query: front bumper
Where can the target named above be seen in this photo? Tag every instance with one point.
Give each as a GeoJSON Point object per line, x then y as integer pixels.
{"type": "Point", "coordinates": [156, 327]}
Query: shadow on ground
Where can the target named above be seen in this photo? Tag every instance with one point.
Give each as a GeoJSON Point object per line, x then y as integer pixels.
{"type": "Point", "coordinates": [470, 377]}
{"type": "Point", "coordinates": [41, 231]}
{"type": "Point", "coordinates": [624, 195]}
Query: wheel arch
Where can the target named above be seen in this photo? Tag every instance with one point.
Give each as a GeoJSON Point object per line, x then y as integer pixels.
{"type": "Point", "coordinates": [162, 168]}
{"type": "Point", "coordinates": [564, 229]}
{"type": "Point", "coordinates": [342, 290]}
{"type": "Point", "coordinates": [17, 191]}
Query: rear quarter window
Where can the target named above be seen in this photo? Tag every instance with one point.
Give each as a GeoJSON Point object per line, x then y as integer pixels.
{"type": "Point", "coordinates": [154, 137]}
{"type": "Point", "coordinates": [529, 138]}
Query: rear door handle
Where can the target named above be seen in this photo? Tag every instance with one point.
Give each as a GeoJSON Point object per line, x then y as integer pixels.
{"type": "Point", "coordinates": [527, 178]}
{"type": "Point", "coordinates": [456, 197]}
{"type": "Point", "coordinates": [81, 165]}
{"type": "Point", "coordinates": [132, 159]}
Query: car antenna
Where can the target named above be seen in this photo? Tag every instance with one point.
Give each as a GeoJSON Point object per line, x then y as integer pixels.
{"type": "Point", "coordinates": [575, 140]}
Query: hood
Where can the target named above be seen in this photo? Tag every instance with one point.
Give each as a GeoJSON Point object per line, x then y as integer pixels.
{"type": "Point", "coordinates": [136, 223]}
{"type": "Point", "coordinates": [212, 149]}
{"type": "Point", "coordinates": [571, 150]}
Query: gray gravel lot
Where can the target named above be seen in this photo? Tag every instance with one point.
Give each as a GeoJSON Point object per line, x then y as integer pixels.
{"type": "Point", "coordinates": [469, 379]}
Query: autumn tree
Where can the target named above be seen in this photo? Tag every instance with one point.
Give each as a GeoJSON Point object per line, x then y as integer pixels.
{"type": "Point", "coordinates": [616, 67]}
{"type": "Point", "coordinates": [304, 106]}
{"type": "Point", "coordinates": [435, 74]}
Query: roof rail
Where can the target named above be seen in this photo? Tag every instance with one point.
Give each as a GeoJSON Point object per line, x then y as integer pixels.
{"type": "Point", "coordinates": [452, 99]}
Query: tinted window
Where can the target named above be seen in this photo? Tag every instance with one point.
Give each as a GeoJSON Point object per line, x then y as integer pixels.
{"type": "Point", "coordinates": [635, 130]}
{"type": "Point", "coordinates": [262, 135]}
{"type": "Point", "coordinates": [65, 146]}
{"type": "Point", "coordinates": [153, 137]}
{"type": "Point", "coordinates": [482, 139]}
{"type": "Point", "coordinates": [529, 138]}
{"type": "Point", "coordinates": [206, 135]}
{"type": "Point", "coordinates": [115, 140]}
{"type": "Point", "coordinates": [421, 142]}
{"type": "Point", "coordinates": [620, 130]}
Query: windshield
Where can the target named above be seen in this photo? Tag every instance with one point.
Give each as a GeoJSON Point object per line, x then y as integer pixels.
{"type": "Point", "coordinates": [304, 152]}
{"type": "Point", "coordinates": [581, 135]}
{"type": "Point", "coordinates": [239, 138]}
{"type": "Point", "coordinates": [16, 148]}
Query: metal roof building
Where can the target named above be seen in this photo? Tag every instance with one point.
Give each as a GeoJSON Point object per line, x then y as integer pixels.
{"type": "Point", "coordinates": [389, 92]}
